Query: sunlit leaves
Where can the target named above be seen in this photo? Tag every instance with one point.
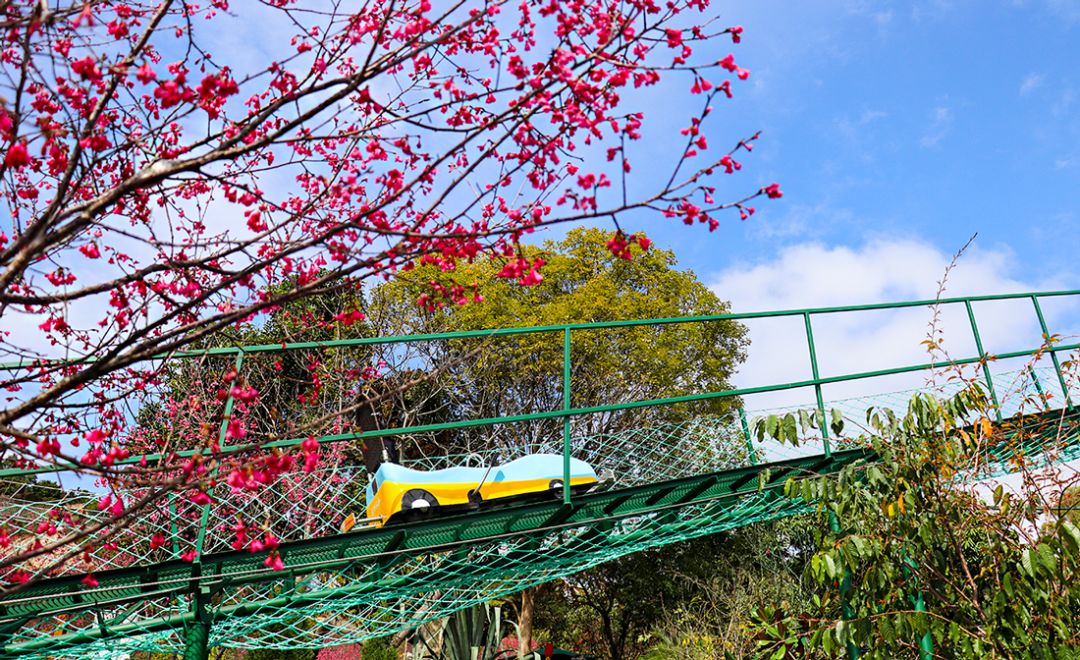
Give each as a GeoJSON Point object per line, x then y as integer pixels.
{"type": "Point", "coordinates": [909, 535]}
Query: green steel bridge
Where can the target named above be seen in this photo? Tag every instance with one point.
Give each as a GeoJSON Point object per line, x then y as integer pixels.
{"type": "Point", "coordinates": [670, 480]}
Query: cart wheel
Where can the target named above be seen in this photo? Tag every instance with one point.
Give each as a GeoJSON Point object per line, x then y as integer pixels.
{"type": "Point", "coordinates": [418, 502]}
{"type": "Point", "coordinates": [475, 498]}
{"type": "Point", "coordinates": [555, 487]}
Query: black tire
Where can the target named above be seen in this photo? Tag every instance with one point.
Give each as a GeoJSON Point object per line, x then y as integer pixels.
{"type": "Point", "coordinates": [475, 498]}
{"type": "Point", "coordinates": [555, 487]}
{"type": "Point", "coordinates": [418, 502]}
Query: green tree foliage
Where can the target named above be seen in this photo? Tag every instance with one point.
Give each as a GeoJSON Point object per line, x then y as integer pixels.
{"type": "Point", "coordinates": [690, 600]}
{"type": "Point", "coordinates": [916, 560]}
{"type": "Point", "coordinates": [582, 282]}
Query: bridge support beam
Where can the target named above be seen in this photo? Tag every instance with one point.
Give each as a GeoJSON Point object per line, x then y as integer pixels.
{"type": "Point", "coordinates": [845, 587]}
{"type": "Point", "coordinates": [197, 640]}
{"type": "Point", "coordinates": [817, 386]}
{"type": "Point", "coordinates": [926, 642]}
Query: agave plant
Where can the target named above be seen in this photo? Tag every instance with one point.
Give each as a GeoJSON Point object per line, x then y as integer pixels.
{"type": "Point", "coordinates": [471, 634]}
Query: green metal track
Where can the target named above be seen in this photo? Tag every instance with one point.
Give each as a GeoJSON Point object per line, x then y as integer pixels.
{"type": "Point", "coordinates": [395, 542]}
{"type": "Point", "coordinates": [373, 558]}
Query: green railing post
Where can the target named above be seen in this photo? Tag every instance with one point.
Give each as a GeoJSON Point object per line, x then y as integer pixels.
{"type": "Point", "coordinates": [197, 631]}
{"type": "Point", "coordinates": [983, 358]}
{"type": "Point", "coordinates": [204, 520]}
{"type": "Point", "coordinates": [196, 641]}
{"type": "Point", "coordinates": [174, 516]}
{"type": "Point", "coordinates": [926, 641]}
{"type": "Point", "coordinates": [566, 418]}
{"type": "Point", "coordinates": [751, 452]}
{"type": "Point", "coordinates": [1039, 388]}
{"type": "Point", "coordinates": [195, 637]}
{"type": "Point", "coordinates": [845, 586]}
{"type": "Point", "coordinates": [817, 385]}
{"type": "Point", "coordinates": [1053, 354]}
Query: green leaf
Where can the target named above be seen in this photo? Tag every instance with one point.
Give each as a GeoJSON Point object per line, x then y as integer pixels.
{"type": "Point", "coordinates": [759, 429]}
{"type": "Point", "coordinates": [772, 424]}
{"type": "Point", "coordinates": [1046, 557]}
{"type": "Point", "coordinates": [1072, 535]}
{"type": "Point", "coordinates": [790, 429]}
{"type": "Point", "coordinates": [763, 479]}
{"type": "Point", "coordinates": [837, 425]}
{"type": "Point", "coordinates": [1026, 561]}
{"type": "Point", "coordinates": [886, 629]}
{"type": "Point", "coordinates": [830, 566]}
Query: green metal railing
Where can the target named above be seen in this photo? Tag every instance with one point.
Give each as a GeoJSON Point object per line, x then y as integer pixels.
{"type": "Point", "coordinates": [205, 575]}
{"type": "Point", "coordinates": [568, 411]}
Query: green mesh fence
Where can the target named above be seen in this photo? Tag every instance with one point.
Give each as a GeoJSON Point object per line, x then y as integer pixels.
{"type": "Point", "coordinates": [354, 598]}
{"type": "Point", "coordinates": [665, 478]}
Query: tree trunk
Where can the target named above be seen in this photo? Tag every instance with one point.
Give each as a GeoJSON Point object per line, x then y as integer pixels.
{"type": "Point", "coordinates": [525, 619]}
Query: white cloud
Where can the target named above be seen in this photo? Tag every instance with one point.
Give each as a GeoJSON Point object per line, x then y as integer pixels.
{"type": "Point", "coordinates": [817, 275]}
{"type": "Point", "coordinates": [931, 10]}
{"type": "Point", "coordinates": [940, 123]}
{"type": "Point", "coordinates": [878, 14]}
{"type": "Point", "coordinates": [849, 128]}
{"type": "Point", "coordinates": [1030, 83]}
{"type": "Point", "coordinates": [800, 220]}
{"type": "Point", "coordinates": [1062, 107]}
{"type": "Point", "coordinates": [855, 134]}
{"type": "Point", "coordinates": [1068, 10]}
{"type": "Point", "coordinates": [813, 274]}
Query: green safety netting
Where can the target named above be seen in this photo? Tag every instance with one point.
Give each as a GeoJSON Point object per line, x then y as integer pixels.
{"type": "Point", "coordinates": [315, 505]}
{"type": "Point", "coordinates": [388, 586]}
{"type": "Point", "coordinates": [663, 481]}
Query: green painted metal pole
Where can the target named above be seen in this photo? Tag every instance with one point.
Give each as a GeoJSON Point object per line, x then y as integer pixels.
{"type": "Point", "coordinates": [197, 630]}
{"type": "Point", "coordinates": [197, 641]}
{"type": "Point", "coordinates": [926, 641]}
{"type": "Point", "coordinates": [197, 635]}
{"type": "Point", "coordinates": [751, 452]}
{"type": "Point", "coordinates": [566, 419]}
{"type": "Point", "coordinates": [817, 385]}
{"type": "Point", "coordinates": [204, 520]}
{"type": "Point", "coordinates": [845, 587]}
{"type": "Point", "coordinates": [983, 357]}
{"type": "Point", "coordinates": [174, 516]}
{"type": "Point", "coordinates": [1039, 388]}
{"type": "Point", "coordinates": [1053, 354]}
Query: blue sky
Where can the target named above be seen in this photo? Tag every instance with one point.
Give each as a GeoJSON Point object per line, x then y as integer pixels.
{"type": "Point", "coordinates": [897, 130]}
{"type": "Point", "coordinates": [894, 121]}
